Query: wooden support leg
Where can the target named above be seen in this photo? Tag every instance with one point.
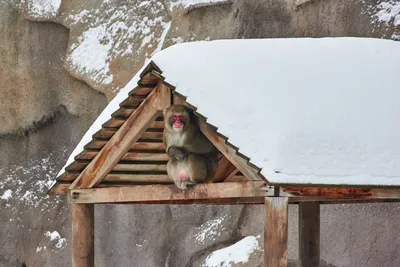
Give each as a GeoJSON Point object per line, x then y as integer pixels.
{"type": "Point", "coordinates": [276, 232]}
{"type": "Point", "coordinates": [82, 235]}
{"type": "Point", "coordinates": [309, 234]}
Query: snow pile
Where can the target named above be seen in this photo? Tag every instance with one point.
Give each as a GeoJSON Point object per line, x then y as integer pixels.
{"type": "Point", "coordinates": [190, 4]}
{"type": "Point", "coordinates": [237, 253]}
{"type": "Point", "coordinates": [209, 230]}
{"type": "Point", "coordinates": [329, 107]}
{"type": "Point", "coordinates": [55, 236]}
{"type": "Point", "coordinates": [121, 31]}
{"type": "Point", "coordinates": [43, 8]}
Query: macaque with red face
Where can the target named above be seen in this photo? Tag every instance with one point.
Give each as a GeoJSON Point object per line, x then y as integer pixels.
{"type": "Point", "coordinates": [192, 157]}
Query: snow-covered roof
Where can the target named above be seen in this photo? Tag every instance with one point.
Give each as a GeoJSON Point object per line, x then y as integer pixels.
{"type": "Point", "coordinates": [305, 111]}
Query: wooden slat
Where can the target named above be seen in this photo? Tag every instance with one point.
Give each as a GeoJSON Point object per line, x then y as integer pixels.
{"type": "Point", "coordinates": [123, 112]}
{"type": "Point", "coordinates": [98, 144]}
{"type": "Point", "coordinates": [132, 101]}
{"type": "Point", "coordinates": [228, 152]}
{"type": "Point", "coordinates": [309, 234]}
{"type": "Point", "coordinates": [167, 193]}
{"type": "Point", "coordinates": [82, 235]}
{"type": "Point", "coordinates": [106, 133]}
{"type": "Point", "coordinates": [137, 167]}
{"type": "Point", "coordinates": [225, 169]}
{"type": "Point", "coordinates": [115, 123]}
{"type": "Point", "coordinates": [124, 138]}
{"type": "Point", "coordinates": [138, 178]}
{"type": "Point", "coordinates": [150, 78]}
{"type": "Point", "coordinates": [88, 155]}
{"type": "Point", "coordinates": [276, 232]}
{"type": "Point", "coordinates": [141, 90]}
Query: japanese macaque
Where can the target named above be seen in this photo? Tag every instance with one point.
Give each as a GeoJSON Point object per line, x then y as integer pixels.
{"type": "Point", "coordinates": [192, 157]}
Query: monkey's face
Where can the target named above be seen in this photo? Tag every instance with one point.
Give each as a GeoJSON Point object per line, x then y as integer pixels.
{"type": "Point", "coordinates": [179, 121]}
{"type": "Point", "coordinates": [178, 118]}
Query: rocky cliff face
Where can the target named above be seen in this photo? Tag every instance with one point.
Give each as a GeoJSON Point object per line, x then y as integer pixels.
{"type": "Point", "coordinates": [62, 60]}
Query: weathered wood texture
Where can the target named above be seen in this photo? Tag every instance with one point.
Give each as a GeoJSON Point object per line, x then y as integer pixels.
{"type": "Point", "coordinates": [82, 235]}
{"type": "Point", "coordinates": [225, 170]}
{"type": "Point", "coordinates": [168, 193]}
{"type": "Point", "coordinates": [124, 138]}
{"type": "Point", "coordinates": [276, 232]}
{"type": "Point", "coordinates": [230, 153]}
{"type": "Point", "coordinates": [309, 234]}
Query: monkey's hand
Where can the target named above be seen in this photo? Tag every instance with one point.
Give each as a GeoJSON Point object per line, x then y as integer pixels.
{"type": "Point", "coordinates": [176, 153]}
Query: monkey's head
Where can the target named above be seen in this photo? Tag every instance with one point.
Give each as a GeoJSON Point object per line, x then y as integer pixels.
{"type": "Point", "coordinates": [177, 118]}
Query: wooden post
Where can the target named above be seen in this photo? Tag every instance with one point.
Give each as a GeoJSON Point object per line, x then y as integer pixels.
{"type": "Point", "coordinates": [309, 234]}
{"type": "Point", "coordinates": [276, 232]}
{"type": "Point", "coordinates": [82, 235]}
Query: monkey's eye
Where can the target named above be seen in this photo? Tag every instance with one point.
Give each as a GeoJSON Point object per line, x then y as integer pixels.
{"type": "Point", "coordinates": [181, 117]}
{"type": "Point", "coordinates": [174, 117]}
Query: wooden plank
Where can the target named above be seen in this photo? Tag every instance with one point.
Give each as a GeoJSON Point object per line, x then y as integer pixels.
{"type": "Point", "coordinates": [276, 232]}
{"type": "Point", "coordinates": [88, 155]}
{"type": "Point", "coordinates": [168, 192]}
{"type": "Point", "coordinates": [150, 78]}
{"type": "Point", "coordinates": [138, 178]}
{"type": "Point", "coordinates": [225, 169]}
{"type": "Point", "coordinates": [339, 193]}
{"type": "Point", "coordinates": [141, 90]}
{"type": "Point", "coordinates": [98, 144]}
{"type": "Point", "coordinates": [116, 123]}
{"type": "Point", "coordinates": [230, 153]}
{"type": "Point", "coordinates": [107, 133]}
{"type": "Point", "coordinates": [82, 235]}
{"type": "Point", "coordinates": [137, 167]}
{"type": "Point", "coordinates": [59, 189]}
{"type": "Point", "coordinates": [309, 234]}
{"type": "Point", "coordinates": [124, 138]}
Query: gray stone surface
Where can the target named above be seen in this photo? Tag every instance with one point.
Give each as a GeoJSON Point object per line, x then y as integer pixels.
{"type": "Point", "coordinates": [44, 111]}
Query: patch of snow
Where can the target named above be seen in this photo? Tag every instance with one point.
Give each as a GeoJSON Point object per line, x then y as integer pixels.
{"type": "Point", "coordinates": [55, 236]}
{"type": "Point", "coordinates": [387, 11]}
{"type": "Point", "coordinates": [395, 37]}
{"type": "Point", "coordinates": [190, 4]}
{"type": "Point", "coordinates": [209, 230]}
{"type": "Point", "coordinates": [43, 8]}
{"type": "Point", "coordinates": [7, 194]}
{"type": "Point", "coordinates": [329, 106]}
{"type": "Point", "coordinates": [91, 55]}
{"type": "Point", "coordinates": [125, 30]}
{"type": "Point", "coordinates": [237, 253]}
{"type": "Point", "coordinates": [40, 249]}
{"type": "Point", "coordinates": [177, 40]}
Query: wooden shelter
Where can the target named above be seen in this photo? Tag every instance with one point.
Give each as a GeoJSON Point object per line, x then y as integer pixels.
{"type": "Point", "coordinates": [125, 163]}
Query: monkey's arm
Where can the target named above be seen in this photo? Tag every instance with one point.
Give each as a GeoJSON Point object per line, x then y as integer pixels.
{"type": "Point", "coordinates": [176, 153]}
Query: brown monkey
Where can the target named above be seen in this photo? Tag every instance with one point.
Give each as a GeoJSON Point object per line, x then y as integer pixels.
{"type": "Point", "coordinates": [187, 169]}
{"type": "Point", "coordinates": [192, 157]}
{"type": "Point", "coordinates": [182, 130]}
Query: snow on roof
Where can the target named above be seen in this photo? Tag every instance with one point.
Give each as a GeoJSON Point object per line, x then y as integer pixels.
{"type": "Point", "coordinates": [306, 111]}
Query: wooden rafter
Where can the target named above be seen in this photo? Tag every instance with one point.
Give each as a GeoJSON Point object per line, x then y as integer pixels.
{"type": "Point", "coordinates": [131, 130]}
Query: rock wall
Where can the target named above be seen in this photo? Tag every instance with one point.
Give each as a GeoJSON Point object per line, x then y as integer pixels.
{"type": "Point", "coordinates": [62, 60]}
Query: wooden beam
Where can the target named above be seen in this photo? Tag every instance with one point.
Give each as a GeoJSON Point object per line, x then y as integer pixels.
{"type": "Point", "coordinates": [124, 138]}
{"type": "Point", "coordinates": [302, 193]}
{"type": "Point", "coordinates": [82, 235]}
{"type": "Point", "coordinates": [309, 234]}
{"type": "Point", "coordinates": [276, 232]}
{"type": "Point", "coordinates": [165, 193]}
{"type": "Point", "coordinates": [225, 169]}
{"type": "Point", "coordinates": [229, 152]}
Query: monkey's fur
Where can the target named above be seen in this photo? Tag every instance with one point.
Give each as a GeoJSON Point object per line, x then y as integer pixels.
{"type": "Point", "coordinates": [192, 157]}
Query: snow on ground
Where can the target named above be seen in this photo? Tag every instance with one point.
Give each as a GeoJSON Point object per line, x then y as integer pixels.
{"type": "Point", "coordinates": [209, 230]}
{"type": "Point", "coordinates": [329, 107]}
{"type": "Point", "coordinates": [43, 8]}
{"type": "Point", "coordinates": [124, 30]}
{"type": "Point", "coordinates": [237, 253]}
